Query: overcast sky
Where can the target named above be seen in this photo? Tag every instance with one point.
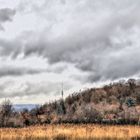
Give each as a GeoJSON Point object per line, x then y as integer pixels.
{"type": "Point", "coordinates": [81, 43]}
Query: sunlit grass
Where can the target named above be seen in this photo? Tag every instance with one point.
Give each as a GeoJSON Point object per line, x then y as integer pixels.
{"type": "Point", "coordinates": [71, 132]}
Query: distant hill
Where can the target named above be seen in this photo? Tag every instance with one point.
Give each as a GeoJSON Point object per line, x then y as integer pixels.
{"type": "Point", "coordinates": [20, 107]}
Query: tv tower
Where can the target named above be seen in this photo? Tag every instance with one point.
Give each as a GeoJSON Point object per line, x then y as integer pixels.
{"type": "Point", "coordinates": [62, 91]}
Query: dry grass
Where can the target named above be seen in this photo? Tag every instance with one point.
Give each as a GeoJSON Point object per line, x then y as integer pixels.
{"type": "Point", "coordinates": [72, 132]}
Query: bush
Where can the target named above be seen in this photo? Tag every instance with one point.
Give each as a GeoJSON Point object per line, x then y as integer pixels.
{"type": "Point", "coordinates": [131, 102]}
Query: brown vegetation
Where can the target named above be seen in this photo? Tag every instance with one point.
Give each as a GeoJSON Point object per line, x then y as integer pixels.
{"type": "Point", "coordinates": [117, 103]}
{"type": "Point", "coordinates": [71, 132]}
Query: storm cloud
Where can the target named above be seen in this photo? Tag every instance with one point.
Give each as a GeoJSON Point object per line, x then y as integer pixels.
{"type": "Point", "coordinates": [6, 14]}
{"type": "Point", "coordinates": [13, 71]}
{"type": "Point", "coordinates": [98, 36]}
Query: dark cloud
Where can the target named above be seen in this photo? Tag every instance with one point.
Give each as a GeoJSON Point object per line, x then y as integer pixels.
{"type": "Point", "coordinates": [6, 14]}
{"type": "Point", "coordinates": [15, 71]}
{"type": "Point", "coordinates": [100, 37]}
{"type": "Point", "coordinates": [10, 47]}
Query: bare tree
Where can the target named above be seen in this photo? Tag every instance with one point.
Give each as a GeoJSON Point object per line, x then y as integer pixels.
{"type": "Point", "coordinates": [132, 84]}
{"type": "Point", "coordinates": [6, 112]}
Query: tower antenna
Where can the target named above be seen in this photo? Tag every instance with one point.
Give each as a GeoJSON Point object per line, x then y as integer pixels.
{"type": "Point", "coordinates": [62, 91]}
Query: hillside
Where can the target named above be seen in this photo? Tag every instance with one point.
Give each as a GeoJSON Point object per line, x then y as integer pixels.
{"type": "Point", "coordinates": [117, 103]}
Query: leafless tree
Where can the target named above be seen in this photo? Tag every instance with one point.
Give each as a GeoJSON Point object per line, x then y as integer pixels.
{"type": "Point", "coordinates": [6, 112]}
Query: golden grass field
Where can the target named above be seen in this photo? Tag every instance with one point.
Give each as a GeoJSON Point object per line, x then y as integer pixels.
{"type": "Point", "coordinates": [71, 132]}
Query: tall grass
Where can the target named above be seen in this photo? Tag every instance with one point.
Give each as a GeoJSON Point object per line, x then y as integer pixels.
{"type": "Point", "coordinates": [71, 132]}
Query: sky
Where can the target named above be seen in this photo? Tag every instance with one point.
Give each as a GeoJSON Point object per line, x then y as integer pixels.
{"type": "Point", "coordinates": [80, 43]}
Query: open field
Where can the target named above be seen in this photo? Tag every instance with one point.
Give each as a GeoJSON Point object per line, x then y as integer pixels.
{"type": "Point", "coordinates": [71, 132]}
